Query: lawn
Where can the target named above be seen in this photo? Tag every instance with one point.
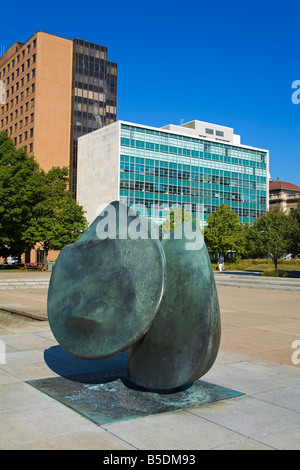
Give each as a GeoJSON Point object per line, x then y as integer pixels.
{"type": "Point", "coordinates": [266, 266]}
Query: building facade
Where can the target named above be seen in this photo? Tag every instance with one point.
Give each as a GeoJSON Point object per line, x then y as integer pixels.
{"type": "Point", "coordinates": [285, 195]}
{"type": "Point", "coordinates": [197, 166]}
{"type": "Point", "coordinates": [53, 90]}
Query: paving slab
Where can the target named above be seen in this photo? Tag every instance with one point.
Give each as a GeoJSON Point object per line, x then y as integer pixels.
{"type": "Point", "coordinates": [256, 325]}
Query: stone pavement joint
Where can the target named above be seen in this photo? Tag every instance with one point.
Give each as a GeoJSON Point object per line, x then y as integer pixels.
{"type": "Point", "coordinates": [259, 327]}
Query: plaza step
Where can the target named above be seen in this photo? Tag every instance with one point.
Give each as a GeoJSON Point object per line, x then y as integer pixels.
{"type": "Point", "coordinates": [257, 282]}
{"type": "Point", "coordinates": [23, 283]}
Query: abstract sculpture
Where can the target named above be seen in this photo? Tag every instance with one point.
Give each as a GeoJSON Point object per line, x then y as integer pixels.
{"type": "Point", "coordinates": [123, 285]}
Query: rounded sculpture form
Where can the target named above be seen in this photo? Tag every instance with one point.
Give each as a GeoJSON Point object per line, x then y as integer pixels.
{"type": "Point", "coordinates": [124, 286]}
{"type": "Point", "coordinates": [102, 295]}
{"type": "Point", "coordinates": [184, 338]}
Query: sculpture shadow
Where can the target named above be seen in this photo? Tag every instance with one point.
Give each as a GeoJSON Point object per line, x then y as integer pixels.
{"type": "Point", "coordinates": [126, 382]}
{"type": "Point", "coordinates": [89, 371]}
{"type": "Point", "coordinates": [100, 371]}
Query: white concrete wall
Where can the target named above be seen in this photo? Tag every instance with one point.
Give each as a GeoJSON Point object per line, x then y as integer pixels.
{"type": "Point", "coordinates": [98, 169]}
{"type": "Point", "coordinates": [198, 129]}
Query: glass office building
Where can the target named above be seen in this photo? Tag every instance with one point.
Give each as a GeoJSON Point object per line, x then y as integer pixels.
{"type": "Point", "coordinates": [197, 166]}
{"type": "Point", "coordinates": [94, 96]}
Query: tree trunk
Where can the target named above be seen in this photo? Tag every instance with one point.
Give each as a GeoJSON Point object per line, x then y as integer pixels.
{"type": "Point", "coordinates": [46, 253]}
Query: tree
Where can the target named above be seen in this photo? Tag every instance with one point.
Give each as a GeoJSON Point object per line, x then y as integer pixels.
{"type": "Point", "coordinates": [57, 218]}
{"type": "Point", "coordinates": [35, 206]}
{"type": "Point", "coordinates": [176, 218]}
{"type": "Point", "coordinates": [294, 221]}
{"type": "Point", "coordinates": [271, 234]}
{"type": "Point", "coordinates": [224, 232]}
{"type": "Point", "coordinates": [20, 186]}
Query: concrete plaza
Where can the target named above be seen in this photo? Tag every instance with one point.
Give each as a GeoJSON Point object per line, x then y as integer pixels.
{"type": "Point", "coordinates": [259, 327]}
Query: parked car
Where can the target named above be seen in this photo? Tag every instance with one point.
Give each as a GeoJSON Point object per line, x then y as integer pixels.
{"type": "Point", "coordinates": [12, 260]}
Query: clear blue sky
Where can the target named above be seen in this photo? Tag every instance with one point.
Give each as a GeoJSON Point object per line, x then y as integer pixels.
{"type": "Point", "coordinates": [225, 62]}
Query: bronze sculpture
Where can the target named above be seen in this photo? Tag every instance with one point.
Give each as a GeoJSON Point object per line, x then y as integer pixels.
{"type": "Point", "coordinates": [124, 286]}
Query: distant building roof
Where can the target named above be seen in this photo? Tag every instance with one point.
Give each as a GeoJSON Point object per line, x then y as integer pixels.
{"type": "Point", "coordinates": [281, 185]}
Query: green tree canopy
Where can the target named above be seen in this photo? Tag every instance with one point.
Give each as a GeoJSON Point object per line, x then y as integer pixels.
{"type": "Point", "coordinates": [224, 232]}
{"type": "Point", "coordinates": [57, 218]}
{"type": "Point", "coordinates": [19, 191]}
{"type": "Point", "coordinates": [270, 235]}
{"type": "Point", "coordinates": [176, 218]}
{"type": "Point", "coordinates": [35, 206]}
{"type": "Point", "coordinates": [294, 221]}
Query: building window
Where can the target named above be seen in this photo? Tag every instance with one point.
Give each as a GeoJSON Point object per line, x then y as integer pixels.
{"type": "Point", "coordinates": [220, 133]}
{"type": "Point", "coordinates": [31, 132]}
{"type": "Point", "coordinates": [33, 73]}
{"type": "Point", "coordinates": [209, 131]}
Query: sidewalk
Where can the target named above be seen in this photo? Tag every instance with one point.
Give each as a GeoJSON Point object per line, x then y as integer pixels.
{"type": "Point", "coordinates": [255, 358]}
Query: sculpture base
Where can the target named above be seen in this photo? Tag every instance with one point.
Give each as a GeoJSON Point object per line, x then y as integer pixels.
{"type": "Point", "coordinates": [105, 397]}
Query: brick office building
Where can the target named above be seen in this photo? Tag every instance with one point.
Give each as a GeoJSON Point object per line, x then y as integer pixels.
{"type": "Point", "coordinates": [52, 91]}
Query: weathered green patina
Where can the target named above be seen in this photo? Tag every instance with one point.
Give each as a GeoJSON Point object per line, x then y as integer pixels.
{"type": "Point", "coordinates": [121, 286]}
{"type": "Point", "coordinates": [104, 292]}
{"type": "Point", "coordinates": [183, 341]}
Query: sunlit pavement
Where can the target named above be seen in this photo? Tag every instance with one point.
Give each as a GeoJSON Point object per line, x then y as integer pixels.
{"type": "Point", "coordinates": [258, 357]}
